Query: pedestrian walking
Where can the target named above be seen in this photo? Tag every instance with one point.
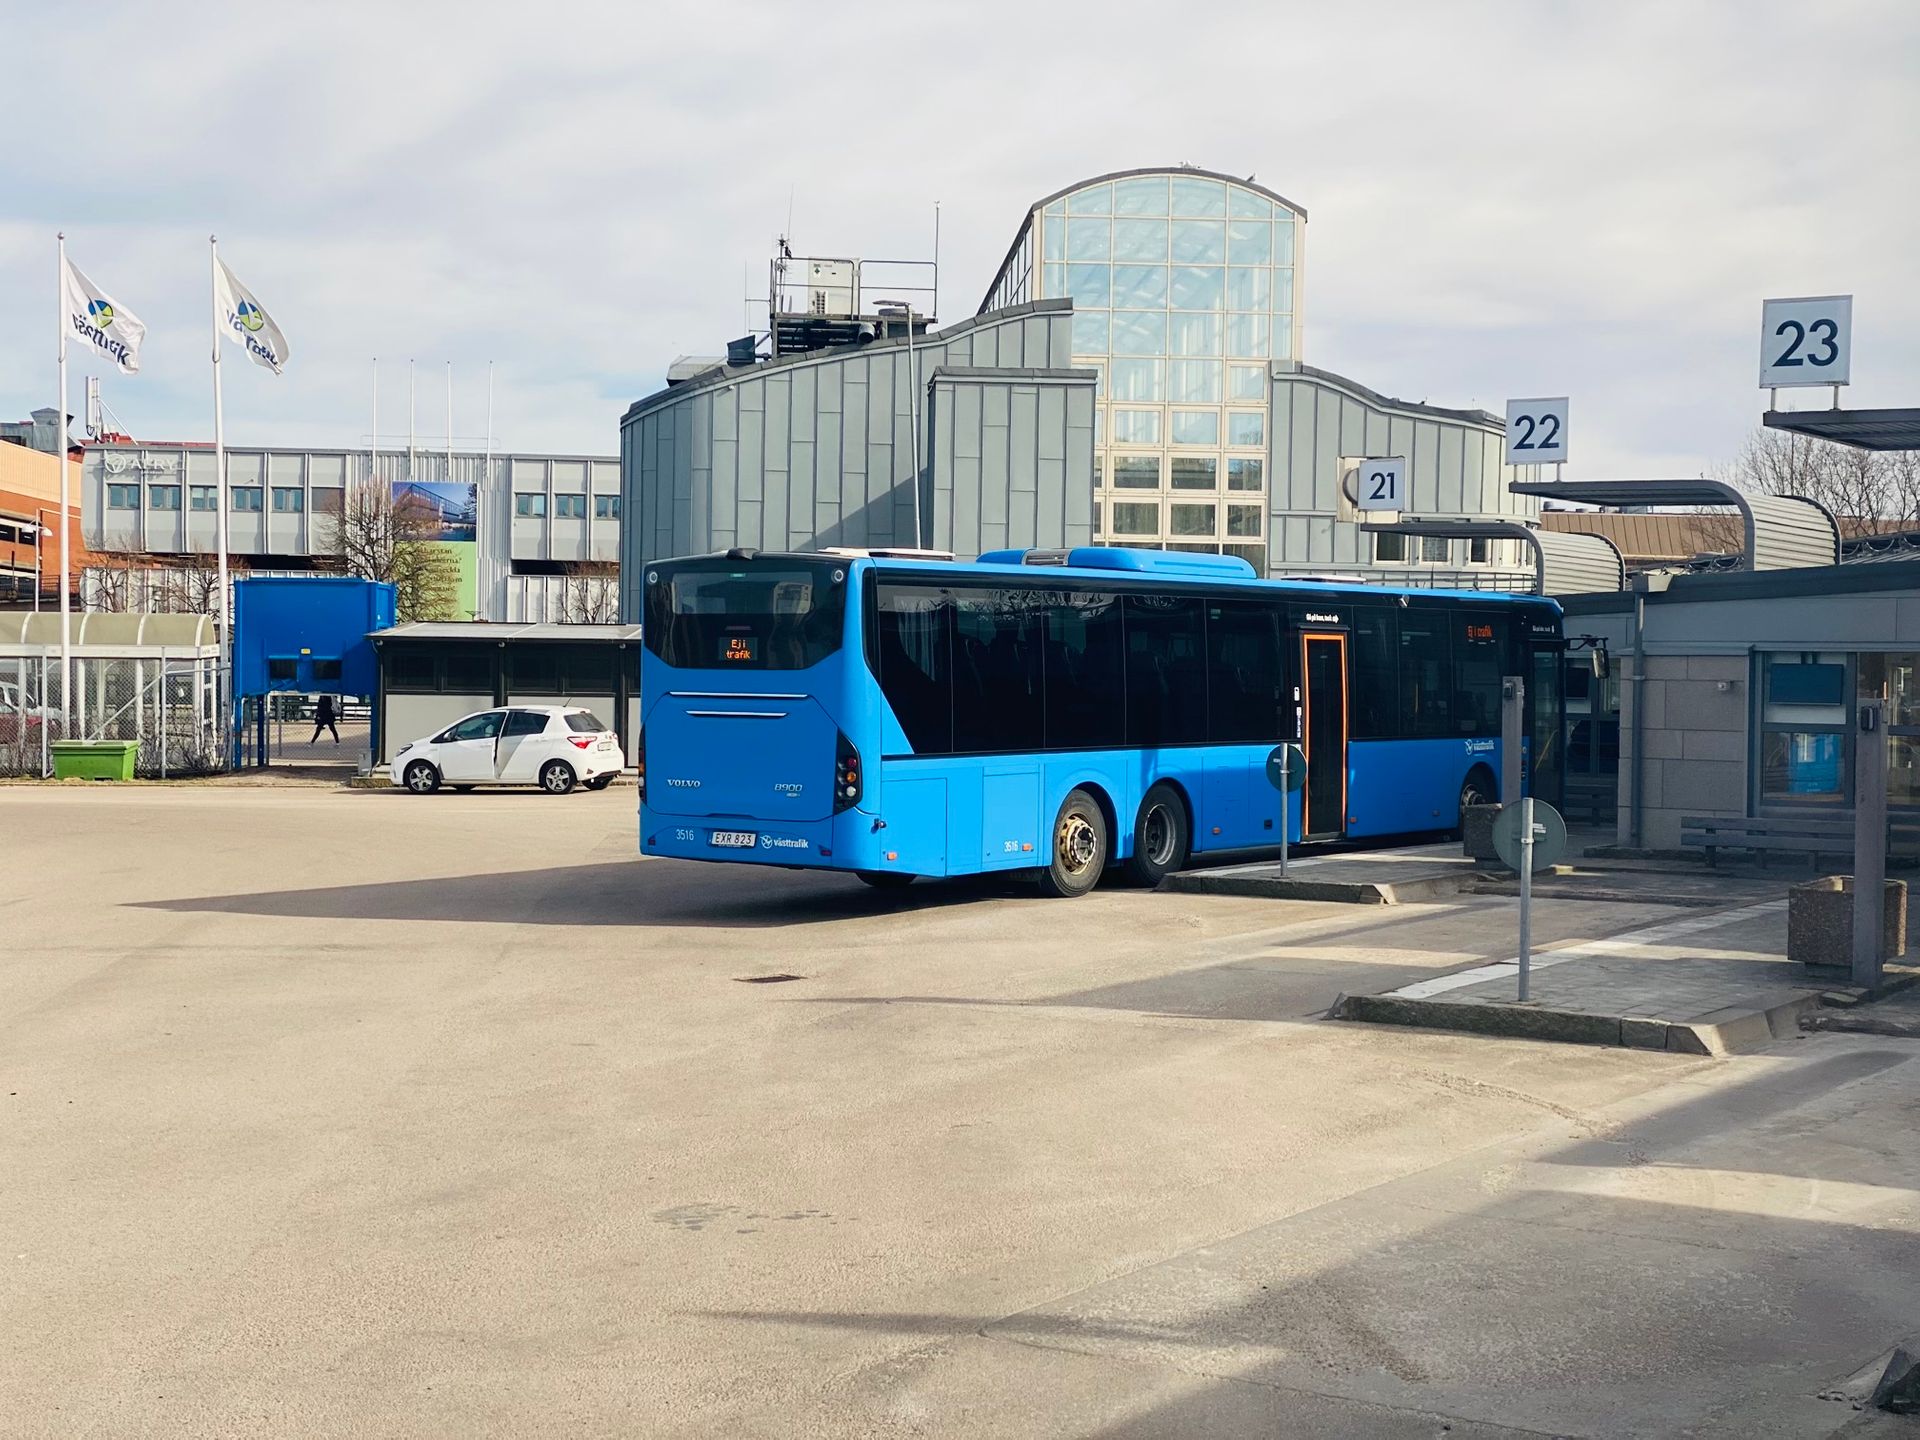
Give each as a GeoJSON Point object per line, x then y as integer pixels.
{"type": "Point", "coordinates": [326, 717]}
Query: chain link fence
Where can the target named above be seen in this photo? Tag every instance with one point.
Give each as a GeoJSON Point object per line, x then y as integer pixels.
{"type": "Point", "coordinates": [171, 705]}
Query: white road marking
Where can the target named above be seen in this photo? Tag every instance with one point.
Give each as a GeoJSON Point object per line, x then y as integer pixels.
{"type": "Point", "coordinates": [1653, 937]}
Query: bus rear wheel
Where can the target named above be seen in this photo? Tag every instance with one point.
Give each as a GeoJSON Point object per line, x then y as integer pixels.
{"type": "Point", "coordinates": [884, 879]}
{"type": "Point", "coordinates": [1078, 852]}
{"type": "Point", "coordinates": [1160, 837]}
{"type": "Point", "coordinates": [1476, 789]}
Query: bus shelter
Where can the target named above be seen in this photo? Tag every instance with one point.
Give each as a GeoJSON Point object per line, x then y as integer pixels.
{"type": "Point", "coordinates": [150, 678]}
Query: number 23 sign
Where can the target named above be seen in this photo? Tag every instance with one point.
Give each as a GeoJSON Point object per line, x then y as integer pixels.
{"type": "Point", "coordinates": [1806, 341]}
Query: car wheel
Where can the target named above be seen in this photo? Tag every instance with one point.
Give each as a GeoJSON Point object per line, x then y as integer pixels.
{"type": "Point", "coordinates": [556, 777]}
{"type": "Point", "coordinates": [1160, 837]}
{"type": "Point", "coordinates": [1078, 847]}
{"type": "Point", "coordinates": [421, 778]}
{"type": "Point", "coordinates": [884, 879]}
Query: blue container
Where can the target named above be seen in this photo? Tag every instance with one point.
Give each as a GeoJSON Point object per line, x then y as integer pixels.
{"type": "Point", "coordinates": [307, 634]}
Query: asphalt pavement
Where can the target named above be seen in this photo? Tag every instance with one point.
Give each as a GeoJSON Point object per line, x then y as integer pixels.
{"type": "Point", "coordinates": [350, 1112]}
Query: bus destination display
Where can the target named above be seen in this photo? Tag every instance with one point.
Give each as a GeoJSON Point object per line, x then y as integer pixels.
{"type": "Point", "coordinates": [739, 649]}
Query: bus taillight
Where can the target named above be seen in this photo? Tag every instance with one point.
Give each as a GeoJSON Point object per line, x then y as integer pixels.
{"type": "Point", "coordinates": [640, 761]}
{"type": "Point", "coordinates": [846, 775]}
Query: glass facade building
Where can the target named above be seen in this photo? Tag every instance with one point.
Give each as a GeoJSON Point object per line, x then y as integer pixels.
{"type": "Point", "coordinates": [1186, 288]}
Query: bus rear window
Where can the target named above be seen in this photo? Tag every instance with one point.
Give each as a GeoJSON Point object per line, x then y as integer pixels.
{"type": "Point", "coordinates": [752, 616]}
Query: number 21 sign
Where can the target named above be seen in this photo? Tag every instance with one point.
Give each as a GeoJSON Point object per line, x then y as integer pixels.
{"type": "Point", "coordinates": [1381, 484]}
{"type": "Point", "coordinates": [1806, 341]}
{"type": "Point", "coordinates": [1537, 431]}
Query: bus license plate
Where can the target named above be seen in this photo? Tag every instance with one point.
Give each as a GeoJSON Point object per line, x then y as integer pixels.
{"type": "Point", "coordinates": [734, 839]}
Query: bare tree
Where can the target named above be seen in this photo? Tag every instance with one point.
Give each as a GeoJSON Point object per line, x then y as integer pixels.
{"type": "Point", "coordinates": [191, 586]}
{"type": "Point", "coordinates": [591, 595]}
{"type": "Point", "coordinates": [1868, 492]}
{"type": "Point", "coordinates": [381, 537]}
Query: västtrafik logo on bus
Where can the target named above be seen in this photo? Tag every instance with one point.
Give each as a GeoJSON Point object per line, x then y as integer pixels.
{"type": "Point", "coordinates": [100, 313]}
{"type": "Point", "coordinates": [249, 316]}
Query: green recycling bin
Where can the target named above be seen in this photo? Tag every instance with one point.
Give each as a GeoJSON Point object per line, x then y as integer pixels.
{"type": "Point", "coordinates": [94, 759]}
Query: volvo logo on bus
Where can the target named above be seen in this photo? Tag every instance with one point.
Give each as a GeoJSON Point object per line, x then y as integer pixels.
{"type": "Point", "coordinates": [683, 784]}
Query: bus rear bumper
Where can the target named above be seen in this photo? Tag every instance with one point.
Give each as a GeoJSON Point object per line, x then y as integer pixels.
{"type": "Point", "coordinates": [845, 842]}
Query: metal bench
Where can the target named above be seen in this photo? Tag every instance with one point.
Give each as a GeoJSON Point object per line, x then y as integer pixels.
{"type": "Point", "coordinates": [1594, 796]}
{"type": "Point", "coordinates": [1812, 837]}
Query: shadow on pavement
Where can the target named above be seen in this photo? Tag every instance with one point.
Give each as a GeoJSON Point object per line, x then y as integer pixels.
{"type": "Point", "coordinates": [654, 894]}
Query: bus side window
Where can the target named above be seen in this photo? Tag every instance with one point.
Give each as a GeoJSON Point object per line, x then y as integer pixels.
{"type": "Point", "coordinates": [1166, 670]}
{"type": "Point", "coordinates": [916, 664]}
{"type": "Point", "coordinates": [1426, 678]}
{"type": "Point", "coordinates": [1245, 672]}
{"type": "Point", "coordinates": [1085, 672]}
{"type": "Point", "coordinates": [1376, 674]}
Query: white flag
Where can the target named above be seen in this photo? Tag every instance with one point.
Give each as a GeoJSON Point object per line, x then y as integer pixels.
{"type": "Point", "coordinates": [246, 324]}
{"type": "Point", "coordinates": [112, 331]}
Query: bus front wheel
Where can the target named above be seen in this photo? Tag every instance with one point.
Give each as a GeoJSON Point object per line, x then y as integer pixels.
{"type": "Point", "coordinates": [1160, 837]}
{"type": "Point", "coordinates": [1079, 847]}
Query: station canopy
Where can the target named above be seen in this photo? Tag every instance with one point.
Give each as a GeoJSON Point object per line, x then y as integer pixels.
{"type": "Point", "coordinates": [1782, 532]}
{"type": "Point", "coordinates": [1563, 564]}
{"type": "Point", "coordinates": [1895, 429]}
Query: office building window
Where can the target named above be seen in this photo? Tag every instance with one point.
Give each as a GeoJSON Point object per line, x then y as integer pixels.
{"type": "Point", "coordinates": [329, 501]}
{"type": "Point", "coordinates": [530, 505]}
{"type": "Point", "coordinates": [1390, 549]}
{"type": "Point", "coordinates": [1196, 427]}
{"type": "Point", "coordinates": [606, 507]}
{"type": "Point", "coordinates": [287, 500]}
{"type": "Point", "coordinates": [1192, 519]}
{"type": "Point", "coordinates": [1246, 382]}
{"type": "Point", "coordinates": [246, 497]}
{"type": "Point", "coordinates": [1195, 472]}
{"type": "Point", "coordinates": [1245, 474]}
{"type": "Point", "coordinates": [1136, 472]}
{"type": "Point", "coordinates": [123, 497]}
{"type": "Point", "coordinates": [1804, 747]}
{"type": "Point", "coordinates": [1245, 428]}
{"type": "Point", "coordinates": [1136, 427]}
{"type": "Point", "coordinates": [1435, 549]}
{"type": "Point", "coordinates": [163, 497]}
{"type": "Point", "coordinates": [1133, 518]}
{"type": "Point", "coordinates": [202, 497]}
{"type": "Point", "coordinates": [1243, 520]}
{"type": "Point", "coordinates": [569, 507]}
{"type": "Point", "coordinates": [1479, 551]}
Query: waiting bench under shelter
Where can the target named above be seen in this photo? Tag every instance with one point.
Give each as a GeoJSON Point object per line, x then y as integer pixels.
{"type": "Point", "coordinates": [1813, 837]}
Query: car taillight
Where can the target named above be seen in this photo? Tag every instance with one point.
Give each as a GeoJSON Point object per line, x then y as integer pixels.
{"type": "Point", "coordinates": [846, 775]}
{"type": "Point", "coordinates": [640, 761]}
{"type": "Point", "coordinates": [580, 742]}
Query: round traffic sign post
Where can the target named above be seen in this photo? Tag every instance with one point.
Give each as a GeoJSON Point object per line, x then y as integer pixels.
{"type": "Point", "coordinates": [1528, 836]}
{"type": "Point", "coordinates": [1549, 836]}
{"type": "Point", "coordinates": [1287, 768]}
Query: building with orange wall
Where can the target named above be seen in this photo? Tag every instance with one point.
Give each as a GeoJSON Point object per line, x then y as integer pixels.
{"type": "Point", "coordinates": [30, 499]}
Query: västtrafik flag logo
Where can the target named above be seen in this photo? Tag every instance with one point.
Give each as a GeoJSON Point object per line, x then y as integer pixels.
{"type": "Point", "coordinates": [111, 331]}
{"type": "Point", "coordinates": [246, 323]}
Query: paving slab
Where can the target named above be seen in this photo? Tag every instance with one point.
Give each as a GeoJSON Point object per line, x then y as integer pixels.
{"type": "Point", "coordinates": [1706, 984]}
{"type": "Point", "coordinates": [1394, 876]}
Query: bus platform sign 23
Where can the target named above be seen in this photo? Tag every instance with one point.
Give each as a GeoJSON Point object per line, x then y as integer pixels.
{"type": "Point", "coordinates": [1806, 341]}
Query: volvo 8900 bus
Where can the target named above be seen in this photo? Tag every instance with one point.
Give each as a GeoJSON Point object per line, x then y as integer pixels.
{"type": "Point", "coordinates": [1065, 712]}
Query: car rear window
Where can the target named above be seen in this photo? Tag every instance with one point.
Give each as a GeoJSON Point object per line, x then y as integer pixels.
{"type": "Point", "coordinates": [583, 722]}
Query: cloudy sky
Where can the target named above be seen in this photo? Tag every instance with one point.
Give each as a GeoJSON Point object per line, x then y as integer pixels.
{"type": "Point", "coordinates": [1504, 199]}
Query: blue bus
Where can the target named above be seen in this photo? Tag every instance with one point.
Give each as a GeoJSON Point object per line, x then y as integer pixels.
{"type": "Point", "coordinates": [1064, 712]}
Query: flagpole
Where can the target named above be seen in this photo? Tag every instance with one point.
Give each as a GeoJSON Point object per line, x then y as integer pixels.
{"type": "Point", "coordinates": [220, 481]}
{"type": "Point", "coordinates": [66, 509]}
{"type": "Point", "coordinates": [480, 503]}
{"type": "Point", "coordinates": [409, 421]}
{"type": "Point", "coordinates": [373, 441]}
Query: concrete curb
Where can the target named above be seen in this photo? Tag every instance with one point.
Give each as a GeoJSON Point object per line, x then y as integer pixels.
{"type": "Point", "coordinates": [1350, 892]}
{"type": "Point", "coordinates": [1728, 1031]}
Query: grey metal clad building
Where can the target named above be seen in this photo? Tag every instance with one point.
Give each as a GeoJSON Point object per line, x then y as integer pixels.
{"type": "Point", "coordinates": [819, 449]}
{"type": "Point", "coordinates": [1132, 378]}
{"type": "Point", "coordinates": [1188, 289]}
{"type": "Point", "coordinates": [537, 515]}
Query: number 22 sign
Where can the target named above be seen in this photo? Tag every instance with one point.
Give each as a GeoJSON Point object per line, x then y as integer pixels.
{"type": "Point", "coordinates": [1537, 431]}
{"type": "Point", "coordinates": [1806, 341]}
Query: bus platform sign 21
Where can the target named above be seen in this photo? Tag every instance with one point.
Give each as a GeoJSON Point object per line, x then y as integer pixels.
{"type": "Point", "coordinates": [1806, 341]}
{"type": "Point", "coordinates": [1381, 484]}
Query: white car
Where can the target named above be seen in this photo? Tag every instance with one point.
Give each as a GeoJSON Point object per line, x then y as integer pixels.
{"type": "Point", "coordinates": [553, 746]}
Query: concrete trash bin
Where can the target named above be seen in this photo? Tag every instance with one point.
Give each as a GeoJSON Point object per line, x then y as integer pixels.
{"type": "Point", "coordinates": [94, 759]}
{"type": "Point", "coordinates": [1820, 922]}
{"type": "Point", "coordinates": [1476, 831]}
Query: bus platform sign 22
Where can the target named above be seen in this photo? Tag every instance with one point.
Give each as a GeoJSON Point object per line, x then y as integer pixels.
{"type": "Point", "coordinates": [1537, 431]}
{"type": "Point", "coordinates": [1806, 341]}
